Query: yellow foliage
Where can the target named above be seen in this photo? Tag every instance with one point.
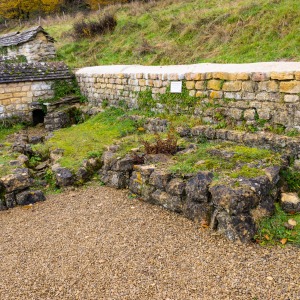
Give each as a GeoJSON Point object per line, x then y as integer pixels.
{"type": "Point", "coordinates": [95, 4]}
{"type": "Point", "coordinates": [23, 9]}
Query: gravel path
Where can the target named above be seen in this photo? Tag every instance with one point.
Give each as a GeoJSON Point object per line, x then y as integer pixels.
{"type": "Point", "coordinates": [96, 243]}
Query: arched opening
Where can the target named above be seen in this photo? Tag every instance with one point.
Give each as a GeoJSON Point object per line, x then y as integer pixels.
{"type": "Point", "coordinates": [38, 116]}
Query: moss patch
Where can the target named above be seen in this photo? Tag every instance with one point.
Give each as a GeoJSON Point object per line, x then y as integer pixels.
{"type": "Point", "coordinates": [226, 159]}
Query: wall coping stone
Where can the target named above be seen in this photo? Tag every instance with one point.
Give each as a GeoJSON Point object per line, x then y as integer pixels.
{"type": "Point", "coordinates": [264, 67]}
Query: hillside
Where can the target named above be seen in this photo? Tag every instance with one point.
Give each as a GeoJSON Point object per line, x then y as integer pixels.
{"type": "Point", "coordinates": [191, 31]}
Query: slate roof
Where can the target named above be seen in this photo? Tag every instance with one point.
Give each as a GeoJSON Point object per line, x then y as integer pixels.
{"type": "Point", "coordinates": [34, 72]}
{"type": "Point", "coordinates": [18, 38]}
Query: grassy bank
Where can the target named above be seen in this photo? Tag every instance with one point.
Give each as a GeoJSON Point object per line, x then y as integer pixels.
{"type": "Point", "coordinates": [192, 31]}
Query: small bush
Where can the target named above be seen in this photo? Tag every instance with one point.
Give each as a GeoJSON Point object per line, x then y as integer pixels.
{"type": "Point", "coordinates": [164, 146]}
{"type": "Point", "coordinates": [88, 29]}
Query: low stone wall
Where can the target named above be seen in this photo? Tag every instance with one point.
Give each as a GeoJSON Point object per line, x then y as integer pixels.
{"type": "Point", "coordinates": [231, 207]}
{"type": "Point", "coordinates": [251, 94]}
{"type": "Point", "coordinates": [16, 98]}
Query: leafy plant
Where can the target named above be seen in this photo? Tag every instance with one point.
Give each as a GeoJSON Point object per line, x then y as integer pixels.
{"type": "Point", "coordinates": [164, 146]}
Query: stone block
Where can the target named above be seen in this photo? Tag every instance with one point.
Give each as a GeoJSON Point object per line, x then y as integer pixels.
{"type": "Point", "coordinates": [224, 76]}
{"type": "Point", "coordinates": [232, 86]}
{"type": "Point", "coordinates": [157, 83]}
{"type": "Point", "coordinates": [176, 187]}
{"type": "Point", "coordinates": [249, 114]}
{"type": "Point", "coordinates": [248, 86]}
{"type": "Point", "coordinates": [282, 75]}
{"type": "Point", "coordinates": [30, 197]}
{"type": "Point", "coordinates": [258, 76]}
{"type": "Point", "coordinates": [248, 96]}
{"type": "Point", "coordinates": [214, 85]}
{"type": "Point", "coordinates": [192, 93]}
{"type": "Point", "coordinates": [197, 76]}
{"type": "Point", "coordinates": [216, 95]}
{"type": "Point", "coordinates": [173, 76]}
{"type": "Point", "coordinates": [15, 182]}
{"type": "Point", "coordinates": [197, 187]}
{"type": "Point", "coordinates": [242, 76]}
{"type": "Point", "coordinates": [290, 202]}
{"type": "Point", "coordinates": [291, 98]}
{"type": "Point", "coordinates": [269, 86]}
{"type": "Point", "coordinates": [201, 94]}
{"type": "Point", "coordinates": [263, 96]}
{"type": "Point", "coordinates": [264, 113]}
{"type": "Point", "coordinates": [190, 85]}
{"type": "Point", "coordinates": [290, 87]}
{"type": "Point", "coordinates": [160, 179]}
{"type": "Point", "coordinates": [142, 82]}
{"type": "Point", "coordinates": [200, 85]}
{"type": "Point", "coordinates": [6, 96]}
{"type": "Point", "coordinates": [167, 201]}
{"type": "Point", "coordinates": [198, 212]}
{"type": "Point", "coordinates": [235, 113]}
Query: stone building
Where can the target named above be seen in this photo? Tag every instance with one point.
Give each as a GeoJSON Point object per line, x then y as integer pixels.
{"type": "Point", "coordinates": [34, 44]}
{"type": "Point", "coordinates": [23, 84]}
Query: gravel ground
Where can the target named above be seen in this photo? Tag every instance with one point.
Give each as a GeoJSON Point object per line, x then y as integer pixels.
{"type": "Point", "coordinates": [97, 243]}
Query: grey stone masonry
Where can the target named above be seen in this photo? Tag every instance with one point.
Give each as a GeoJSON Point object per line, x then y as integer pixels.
{"type": "Point", "coordinates": [240, 93]}
{"type": "Point", "coordinates": [35, 44]}
{"type": "Point", "coordinates": [23, 84]}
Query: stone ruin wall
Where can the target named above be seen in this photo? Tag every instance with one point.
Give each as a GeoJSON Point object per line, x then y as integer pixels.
{"type": "Point", "coordinates": [271, 94]}
{"type": "Point", "coordinates": [37, 50]}
{"type": "Point", "coordinates": [16, 98]}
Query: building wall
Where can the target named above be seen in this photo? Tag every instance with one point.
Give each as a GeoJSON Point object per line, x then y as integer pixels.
{"type": "Point", "coordinates": [242, 98]}
{"type": "Point", "coordinates": [37, 50]}
{"type": "Point", "coordinates": [16, 98]}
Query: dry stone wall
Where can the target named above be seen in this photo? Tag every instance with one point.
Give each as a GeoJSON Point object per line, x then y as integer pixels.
{"type": "Point", "coordinates": [246, 93]}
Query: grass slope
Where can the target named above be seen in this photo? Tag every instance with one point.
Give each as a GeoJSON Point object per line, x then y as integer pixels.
{"type": "Point", "coordinates": [191, 31]}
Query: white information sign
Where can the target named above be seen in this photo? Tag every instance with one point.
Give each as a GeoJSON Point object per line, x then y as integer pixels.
{"type": "Point", "coordinates": [176, 87]}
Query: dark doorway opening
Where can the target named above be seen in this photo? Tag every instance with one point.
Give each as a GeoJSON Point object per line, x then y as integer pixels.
{"type": "Point", "coordinates": [38, 116]}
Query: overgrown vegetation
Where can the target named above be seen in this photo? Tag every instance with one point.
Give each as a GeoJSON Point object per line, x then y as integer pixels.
{"type": "Point", "coordinates": [64, 88]}
{"type": "Point", "coordinates": [5, 153]}
{"type": "Point", "coordinates": [291, 178]}
{"type": "Point", "coordinates": [83, 140]}
{"type": "Point", "coordinates": [88, 29]}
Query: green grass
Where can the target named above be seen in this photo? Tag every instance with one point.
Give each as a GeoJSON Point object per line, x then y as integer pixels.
{"type": "Point", "coordinates": [190, 31]}
{"type": "Point", "coordinates": [5, 132]}
{"type": "Point", "coordinates": [86, 139]}
{"type": "Point", "coordinates": [272, 230]}
{"type": "Point", "coordinates": [5, 154]}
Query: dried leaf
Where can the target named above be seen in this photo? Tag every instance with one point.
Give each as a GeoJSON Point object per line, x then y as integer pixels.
{"type": "Point", "coordinates": [292, 222]}
{"type": "Point", "coordinates": [283, 241]}
{"type": "Point", "coordinates": [267, 237]}
{"type": "Point", "coordinates": [204, 224]}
